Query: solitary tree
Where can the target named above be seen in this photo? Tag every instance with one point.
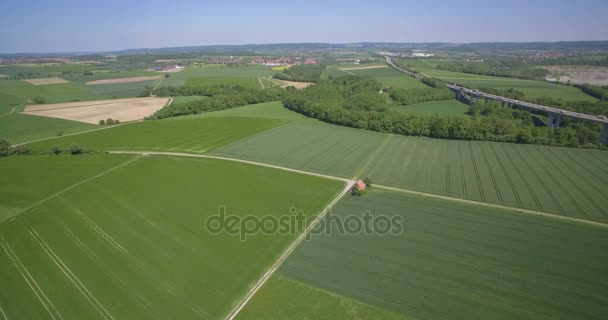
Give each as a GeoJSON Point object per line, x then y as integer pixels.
{"type": "Point", "coordinates": [75, 149]}
{"type": "Point", "coordinates": [39, 100]}
{"type": "Point", "coordinates": [102, 122]}
{"type": "Point", "coordinates": [56, 150]}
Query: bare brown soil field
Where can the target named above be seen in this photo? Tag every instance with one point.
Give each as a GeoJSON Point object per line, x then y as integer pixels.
{"type": "Point", "coordinates": [579, 74]}
{"type": "Point", "coordinates": [124, 80]}
{"type": "Point", "coordinates": [93, 111]}
{"type": "Point", "coordinates": [363, 68]}
{"type": "Point", "coordinates": [45, 81]}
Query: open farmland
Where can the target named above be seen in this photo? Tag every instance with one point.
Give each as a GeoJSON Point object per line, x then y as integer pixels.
{"type": "Point", "coordinates": [562, 181]}
{"type": "Point", "coordinates": [218, 75]}
{"type": "Point", "coordinates": [26, 180]}
{"type": "Point", "coordinates": [123, 80]}
{"type": "Point", "coordinates": [45, 81]}
{"type": "Point", "coordinates": [308, 145]}
{"type": "Point", "coordinates": [93, 111]}
{"type": "Point", "coordinates": [441, 107]}
{"type": "Point", "coordinates": [458, 261]}
{"type": "Point", "coordinates": [24, 92]}
{"type": "Point", "coordinates": [191, 134]}
{"type": "Point", "coordinates": [284, 298]}
{"type": "Point", "coordinates": [128, 243]}
{"type": "Point", "coordinates": [389, 77]}
{"type": "Point", "coordinates": [534, 89]}
{"type": "Point", "coordinates": [19, 128]}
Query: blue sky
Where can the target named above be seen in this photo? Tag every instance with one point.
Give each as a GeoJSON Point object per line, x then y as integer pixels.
{"type": "Point", "coordinates": [69, 25]}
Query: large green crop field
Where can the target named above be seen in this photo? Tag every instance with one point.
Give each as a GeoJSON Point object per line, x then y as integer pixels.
{"type": "Point", "coordinates": [390, 77]}
{"type": "Point", "coordinates": [189, 134]}
{"type": "Point", "coordinates": [309, 146]}
{"type": "Point", "coordinates": [442, 108]}
{"type": "Point", "coordinates": [19, 128]}
{"type": "Point", "coordinates": [458, 261]}
{"type": "Point", "coordinates": [284, 298]}
{"type": "Point", "coordinates": [219, 74]}
{"type": "Point", "coordinates": [129, 243]}
{"type": "Point", "coordinates": [569, 182]}
{"type": "Point", "coordinates": [531, 88]}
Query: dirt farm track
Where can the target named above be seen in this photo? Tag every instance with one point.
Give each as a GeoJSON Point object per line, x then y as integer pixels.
{"type": "Point", "coordinates": [93, 111]}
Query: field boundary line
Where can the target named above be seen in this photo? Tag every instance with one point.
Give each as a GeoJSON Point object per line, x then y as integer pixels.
{"type": "Point", "coordinates": [496, 206]}
{"type": "Point", "coordinates": [275, 266]}
{"type": "Point", "coordinates": [64, 190]}
{"type": "Point", "coordinates": [373, 156]}
{"type": "Point", "coordinates": [75, 133]}
{"type": "Point", "coordinates": [206, 156]}
{"type": "Point", "coordinates": [6, 114]}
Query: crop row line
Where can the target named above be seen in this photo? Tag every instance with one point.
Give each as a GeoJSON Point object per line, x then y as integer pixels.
{"type": "Point", "coordinates": [491, 171]}
{"type": "Point", "coordinates": [44, 300]}
{"type": "Point", "coordinates": [477, 177]}
{"type": "Point", "coordinates": [540, 180]}
{"type": "Point", "coordinates": [556, 182]}
{"type": "Point", "coordinates": [520, 175]}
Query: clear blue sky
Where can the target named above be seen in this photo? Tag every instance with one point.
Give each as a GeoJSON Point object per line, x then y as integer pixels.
{"type": "Point", "coordinates": [84, 25]}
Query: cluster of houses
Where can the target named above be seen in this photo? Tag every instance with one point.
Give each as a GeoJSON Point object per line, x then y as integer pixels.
{"type": "Point", "coordinates": [167, 68]}
{"type": "Point", "coordinates": [283, 61]}
{"type": "Point", "coordinates": [348, 61]}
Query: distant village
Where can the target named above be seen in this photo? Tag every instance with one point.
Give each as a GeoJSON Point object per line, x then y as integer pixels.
{"type": "Point", "coordinates": [267, 61]}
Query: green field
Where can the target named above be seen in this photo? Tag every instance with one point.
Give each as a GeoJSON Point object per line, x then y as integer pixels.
{"type": "Point", "coordinates": [219, 74]}
{"type": "Point", "coordinates": [458, 261]}
{"type": "Point", "coordinates": [531, 88]}
{"type": "Point", "coordinates": [19, 128]}
{"type": "Point", "coordinates": [284, 298]}
{"type": "Point", "coordinates": [390, 77]}
{"type": "Point", "coordinates": [121, 90]}
{"type": "Point", "coordinates": [27, 180]}
{"type": "Point", "coordinates": [251, 83]}
{"type": "Point", "coordinates": [188, 134]}
{"type": "Point", "coordinates": [334, 71]}
{"type": "Point", "coordinates": [23, 92]}
{"type": "Point", "coordinates": [563, 181]}
{"type": "Point", "coordinates": [268, 110]}
{"type": "Point", "coordinates": [130, 243]}
{"type": "Point", "coordinates": [309, 146]}
{"type": "Point", "coordinates": [442, 108]}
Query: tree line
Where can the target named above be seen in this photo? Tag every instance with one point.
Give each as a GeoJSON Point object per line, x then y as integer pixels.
{"type": "Point", "coordinates": [221, 97]}
{"type": "Point", "coordinates": [330, 101]}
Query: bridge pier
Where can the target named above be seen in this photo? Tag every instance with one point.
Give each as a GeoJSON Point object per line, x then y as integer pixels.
{"type": "Point", "coordinates": [502, 104]}
{"type": "Point", "coordinates": [558, 120]}
{"type": "Point", "coordinates": [472, 99]}
{"type": "Point", "coordinates": [486, 100]}
{"type": "Point", "coordinates": [604, 133]}
{"type": "Point", "coordinates": [551, 120]}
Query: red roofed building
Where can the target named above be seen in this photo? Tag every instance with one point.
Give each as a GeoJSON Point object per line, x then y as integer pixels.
{"type": "Point", "coordinates": [360, 185]}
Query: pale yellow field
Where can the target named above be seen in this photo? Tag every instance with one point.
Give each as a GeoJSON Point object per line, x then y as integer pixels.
{"type": "Point", "coordinates": [124, 80]}
{"type": "Point", "coordinates": [93, 111]}
{"type": "Point", "coordinates": [297, 85]}
{"type": "Point", "coordinates": [45, 81]}
{"type": "Point", "coordinates": [3, 76]}
{"type": "Point", "coordinates": [363, 68]}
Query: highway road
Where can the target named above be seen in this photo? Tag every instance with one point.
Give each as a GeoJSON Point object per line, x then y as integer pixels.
{"type": "Point", "coordinates": [528, 105]}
